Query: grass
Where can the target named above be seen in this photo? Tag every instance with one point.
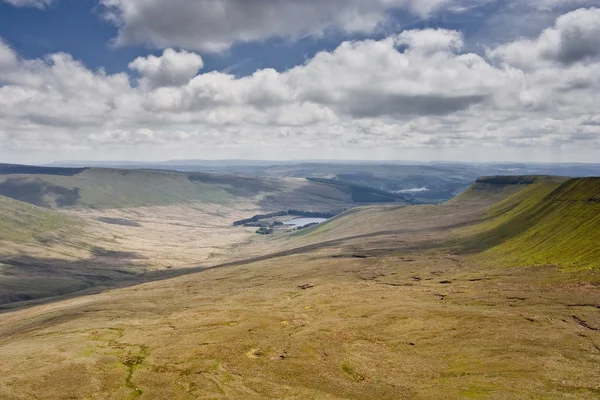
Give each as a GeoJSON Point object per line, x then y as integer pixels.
{"type": "Point", "coordinates": [22, 222]}
{"type": "Point", "coordinates": [549, 222]}
{"type": "Point", "coordinates": [371, 332]}
{"type": "Point", "coordinates": [100, 188]}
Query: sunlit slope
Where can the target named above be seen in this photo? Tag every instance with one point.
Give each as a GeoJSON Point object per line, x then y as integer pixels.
{"type": "Point", "coordinates": [498, 188]}
{"type": "Point", "coordinates": [551, 221]}
{"type": "Point", "coordinates": [526, 220]}
{"type": "Point", "coordinates": [22, 222]}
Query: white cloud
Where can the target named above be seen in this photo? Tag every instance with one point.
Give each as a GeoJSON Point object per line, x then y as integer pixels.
{"type": "Point", "coordinates": [7, 55]}
{"type": "Point", "coordinates": [171, 69]}
{"type": "Point", "coordinates": [216, 25]}
{"type": "Point", "coordinates": [574, 37]}
{"type": "Point", "coordinates": [432, 41]}
{"type": "Point", "coordinates": [418, 91]}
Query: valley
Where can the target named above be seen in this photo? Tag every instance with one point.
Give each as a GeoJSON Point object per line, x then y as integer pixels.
{"type": "Point", "coordinates": [492, 295]}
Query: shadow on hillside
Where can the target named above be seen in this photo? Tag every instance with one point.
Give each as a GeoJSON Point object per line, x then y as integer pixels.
{"type": "Point", "coordinates": [8, 169]}
{"type": "Point", "coordinates": [36, 192]}
{"type": "Point", "coordinates": [25, 278]}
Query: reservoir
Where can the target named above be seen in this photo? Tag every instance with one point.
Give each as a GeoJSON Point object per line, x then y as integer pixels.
{"type": "Point", "coordinates": [304, 221]}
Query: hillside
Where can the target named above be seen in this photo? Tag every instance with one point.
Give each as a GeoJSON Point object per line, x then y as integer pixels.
{"type": "Point", "coordinates": [22, 222]}
{"type": "Point", "coordinates": [28, 232]}
{"type": "Point", "coordinates": [519, 220]}
{"type": "Point", "coordinates": [550, 221]}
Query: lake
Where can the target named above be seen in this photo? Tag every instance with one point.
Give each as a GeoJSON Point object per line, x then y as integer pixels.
{"type": "Point", "coordinates": [304, 221]}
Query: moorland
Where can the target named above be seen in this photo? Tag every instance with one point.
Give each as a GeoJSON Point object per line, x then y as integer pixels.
{"type": "Point", "coordinates": [129, 283]}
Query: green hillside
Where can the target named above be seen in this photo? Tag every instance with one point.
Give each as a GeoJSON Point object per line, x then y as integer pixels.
{"type": "Point", "coordinates": [22, 222]}
{"type": "Point", "coordinates": [549, 221]}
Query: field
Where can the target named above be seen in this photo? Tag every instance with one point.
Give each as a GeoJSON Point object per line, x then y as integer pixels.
{"type": "Point", "coordinates": [453, 301]}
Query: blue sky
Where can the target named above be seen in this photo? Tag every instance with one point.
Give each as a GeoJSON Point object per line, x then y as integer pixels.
{"type": "Point", "coordinates": [401, 79]}
{"type": "Point", "coordinates": [77, 27]}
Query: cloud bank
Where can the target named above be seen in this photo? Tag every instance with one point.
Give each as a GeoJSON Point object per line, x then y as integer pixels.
{"type": "Point", "coordinates": [413, 91]}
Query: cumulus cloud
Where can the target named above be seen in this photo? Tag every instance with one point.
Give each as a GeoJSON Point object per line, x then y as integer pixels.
{"type": "Point", "coordinates": [419, 89]}
{"type": "Point", "coordinates": [171, 69]}
{"type": "Point", "coordinates": [216, 25]}
{"type": "Point", "coordinates": [574, 37]}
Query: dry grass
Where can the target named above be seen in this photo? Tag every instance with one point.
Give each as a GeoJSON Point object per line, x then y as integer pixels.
{"type": "Point", "coordinates": [377, 328]}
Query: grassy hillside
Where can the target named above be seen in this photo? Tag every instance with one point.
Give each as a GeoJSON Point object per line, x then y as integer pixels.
{"type": "Point", "coordinates": [497, 188]}
{"type": "Point", "coordinates": [22, 222]}
{"type": "Point", "coordinates": [524, 221]}
{"type": "Point", "coordinates": [107, 188]}
{"type": "Point", "coordinates": [27, 233]}
{"type": "Point", "coordinates": [551, 221]}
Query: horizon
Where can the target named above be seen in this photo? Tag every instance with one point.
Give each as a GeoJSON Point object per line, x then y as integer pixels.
{"type": "Point", "coordinates": [240, 161]}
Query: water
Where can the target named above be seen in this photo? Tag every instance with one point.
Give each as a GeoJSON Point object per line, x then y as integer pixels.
{"type": "Point", "coordinates": [304, 221]}
{"type": "Point", "coordinates": [413, 190]}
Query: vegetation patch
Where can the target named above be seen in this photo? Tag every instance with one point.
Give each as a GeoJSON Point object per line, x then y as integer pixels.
{"type": "Point", "coordinates": [348, 369]}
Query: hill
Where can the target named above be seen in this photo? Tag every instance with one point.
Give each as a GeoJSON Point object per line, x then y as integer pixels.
{"type": "Point", "coordinates": [114, 188]}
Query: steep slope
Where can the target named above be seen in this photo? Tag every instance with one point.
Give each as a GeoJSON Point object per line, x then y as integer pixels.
{"type": "Point", "coordinates": [497, 188]}
{"type": "Point", "coordinates": [540, 221]}
{"type": "Point", "coordinates": [551, 222]}
{"type": "Point", "coordinates": [525, 221]}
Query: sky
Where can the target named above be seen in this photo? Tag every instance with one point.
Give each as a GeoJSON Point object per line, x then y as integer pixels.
{"type": "Point", "coordinates": [421, 80]}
